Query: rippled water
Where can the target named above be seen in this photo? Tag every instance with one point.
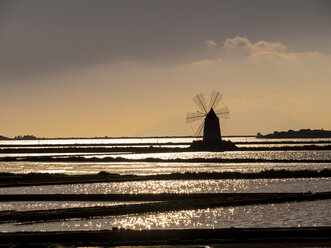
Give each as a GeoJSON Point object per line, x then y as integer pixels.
{"type": "Point", "coordinates": [183, 186]}
{"type": "Point", "coordinates": [132, 167]}
{"type": "Point", "coordinates": [315, 213]}
{"type": "Point", "coordinates": [268, 155]}
{"type": "Point", "coordinates": [310, 213]}
{"type": "Point", "coordinates": [148, 168]}
{"type": "Point", "coordinates": [43, 205]}
{"type": "Point", "coordinates": [109, 141]}
{"type": "Point", "coordinates": [105, 141]}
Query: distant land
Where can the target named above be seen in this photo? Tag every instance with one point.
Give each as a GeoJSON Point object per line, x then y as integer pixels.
{"type": "Point", "coordinates": [32, 137]}
{"type": "Point", "coordinates": [303, 133]}
{"type": "Point", "coordinates": [25, 137]}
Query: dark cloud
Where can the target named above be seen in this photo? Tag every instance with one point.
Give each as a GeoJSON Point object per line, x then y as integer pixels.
{"type": "Point", "coordinates": [38, 36]}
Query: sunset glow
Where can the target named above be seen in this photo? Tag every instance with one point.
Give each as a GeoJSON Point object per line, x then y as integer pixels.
{"type": "Point", "coordinates": [119, 68]}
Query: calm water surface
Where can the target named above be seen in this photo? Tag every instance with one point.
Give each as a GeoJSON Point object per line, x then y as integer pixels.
{"type": "Point", "coordinates": [310, 213]}
{"type": "Point", "coordinates": [182, 186]}
{"type": "Point", "coordinates": [152, 168]}
{"type": "Point", "coordinates": [133, 167]}
{"type": "Point", "coordinates": [109, 141]}
{"type": "Point", "coordinates": [268, 155]}
{"type": "Point", "coordinates": [38, 205]}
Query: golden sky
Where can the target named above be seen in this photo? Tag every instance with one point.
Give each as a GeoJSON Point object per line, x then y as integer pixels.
{"type": "Point", "coordinates": [127, 68]}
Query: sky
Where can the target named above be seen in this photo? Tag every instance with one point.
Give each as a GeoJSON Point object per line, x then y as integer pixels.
{"type": "Point", "coordinates": [131, 68]}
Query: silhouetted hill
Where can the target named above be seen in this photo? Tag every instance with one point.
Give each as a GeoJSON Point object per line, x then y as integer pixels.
{"type": "Point", "coordinates": [4, 138]}
{"type": "Point", "coordinates": [303, 133]}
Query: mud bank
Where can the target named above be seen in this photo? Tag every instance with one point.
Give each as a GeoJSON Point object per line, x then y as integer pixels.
{"type": "Point", "coordinates": [31, 179]}
{"type": "Point", "coordinates": [80, 158]}
{"type": "Point", "coordinates": [240, 237]}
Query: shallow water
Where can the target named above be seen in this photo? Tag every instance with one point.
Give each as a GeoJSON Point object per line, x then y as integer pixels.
{"type": "Point", "coordinates": [152, 168]}
{"type": "Point", "coordinates": [102, 141]}
{"type": "Point", "coordinates": [133, 167]}
{"type": "Point", "coordinates": [182, 186]}
{"type": "Point", "coordinates": [295, 214]}
{"type": "Point", "coordinates": [268, 155]}
{"type": "Point", "coordinates": [109, 141]}
{"type": "Point", "coordinates": [314, 213]}
{"type": "Point", "coordinates": [44, 205]}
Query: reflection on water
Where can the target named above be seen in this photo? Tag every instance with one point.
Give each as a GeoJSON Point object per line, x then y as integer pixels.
{"type": "Point", "coordinates": [59, 154]}
{"type": "Point", "coordinates": [183, 186]}
{"type": "Point", "coordinates": [272, 215]}
{"type": "Point", "coordinates": [109, 141]}
{"type": "Point", "coordinates": [252, 145]}
{"type": "Point", "coordinates": [38, 205]}
{"type": "Point", "coordinates": [149, 168]}
{"type": "Point", "coordinates": [310, 213]}
{"type": "Point", "coordinates": [96, 141]}
{"type": "Point", "coordinates": [268, 155]}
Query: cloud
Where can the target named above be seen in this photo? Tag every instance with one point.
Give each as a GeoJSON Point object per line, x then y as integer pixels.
{"type": "Point", "coordinates": [210, 44]}
{"type": "Point", "coordinates": [238, 42]}
{"type": "Point", "coordinates": [244, 43]}
{"type": "Point", "coordinates": [265, 50]}
{"type": "Point", "coordinates": [268, 46]}
{"type": "Point", "coordinates": [282, 56]}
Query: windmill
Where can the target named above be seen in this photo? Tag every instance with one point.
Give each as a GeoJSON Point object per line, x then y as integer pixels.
{"type": "Point", "coordinates": [208, 116]}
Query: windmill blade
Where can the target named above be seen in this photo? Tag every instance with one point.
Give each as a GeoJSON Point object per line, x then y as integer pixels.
{"type": "Point", "coordinates": [223, 113]}
{"type": "Point", "coordinates": [192, 117]}
{"type": "Point", "coordinates": [200, 129]}
{"type": "Point", "coordinates": [215, 99]}
{"type": "Point", "coordinates": [200, 101]}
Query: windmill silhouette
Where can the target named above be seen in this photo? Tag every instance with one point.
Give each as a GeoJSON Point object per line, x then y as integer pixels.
{"type": "Point", "coordinates": [208, 116]}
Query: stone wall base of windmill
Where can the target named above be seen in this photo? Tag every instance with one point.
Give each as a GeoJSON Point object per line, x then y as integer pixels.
{"type": "Point", "coordinates": [221, 145]}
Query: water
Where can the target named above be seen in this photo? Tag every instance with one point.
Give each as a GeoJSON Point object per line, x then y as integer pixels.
{"type": "Point", "coordinates": [103, 141]}
{"type": "Point", "coordinates": [182, 186]}
{"type": "Point", "coordinates": [41, 205]}
{"type": "Point", "coordinates": [297, 214]}
{"type": "Point", "coordinates": [152, 168]}
{"type": "Point", "coordinates": [314, 213]}
{"type": "Point", "coordinates": [267, 155]}
{"type": "Point", "coordinates": [110, 141]}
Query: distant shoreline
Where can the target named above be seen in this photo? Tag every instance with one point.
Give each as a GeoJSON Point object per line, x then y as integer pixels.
{"type": "Point", "coordinates": [119, 137]}
{"type": "Point", "coordinates": [301, 134]}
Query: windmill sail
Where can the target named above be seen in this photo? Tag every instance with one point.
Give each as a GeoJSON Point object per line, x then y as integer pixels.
{"type": "Point", "coordinates": [216, 97]}
{"type": "Point", "coordinates": [223, 113]}
{"type": "Point", "coordinates": [210, 117]}
{"type": "Point", "coordinates": [200, 102]}
{"type": "Point", "coordinates": [200, 129]}
{"type": "Point", "coordinates": [192, 117]}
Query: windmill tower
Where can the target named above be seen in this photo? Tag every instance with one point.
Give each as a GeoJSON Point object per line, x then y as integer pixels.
{"type": "Point", "coordinates": [209, 117]}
